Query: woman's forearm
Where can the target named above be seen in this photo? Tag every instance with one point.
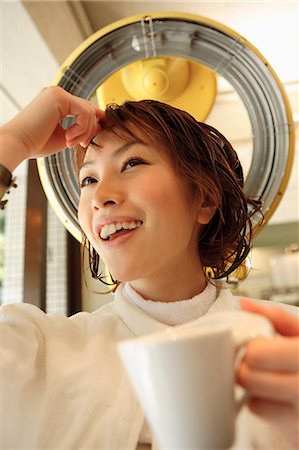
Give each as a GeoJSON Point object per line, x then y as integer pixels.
{"type": "Point", "coordinates": [11, 151]}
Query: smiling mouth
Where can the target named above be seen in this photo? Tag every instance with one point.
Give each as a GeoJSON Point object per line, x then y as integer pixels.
{"type": "Point", "coordinates": [114, 230]}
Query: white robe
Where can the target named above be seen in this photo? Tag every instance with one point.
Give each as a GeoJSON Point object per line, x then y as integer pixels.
{"type": "Point", "coordinates": [62, 384]}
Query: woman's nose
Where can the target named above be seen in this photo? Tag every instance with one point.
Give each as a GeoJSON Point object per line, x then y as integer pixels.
{"type": "Point", "coordinates": [108, 192]}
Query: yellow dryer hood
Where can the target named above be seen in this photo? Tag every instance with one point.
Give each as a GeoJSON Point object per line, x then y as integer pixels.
{"type": "Point", "coordinates": [177, 81]}
{"type": "Point", "coordinates": [152, 45]}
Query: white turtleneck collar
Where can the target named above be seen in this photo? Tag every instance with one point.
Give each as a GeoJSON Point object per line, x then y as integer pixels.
{"type": "Point", "coordinates": [173, 313]}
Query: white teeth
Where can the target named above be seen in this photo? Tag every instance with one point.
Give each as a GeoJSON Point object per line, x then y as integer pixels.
{"type": "Point", "coordinates": [111, 228]}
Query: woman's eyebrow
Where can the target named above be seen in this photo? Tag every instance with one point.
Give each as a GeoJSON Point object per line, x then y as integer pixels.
{"type": "Point", "coordinates": [89, 162]}
{"type": "Point", "coordinates": [123, 148]}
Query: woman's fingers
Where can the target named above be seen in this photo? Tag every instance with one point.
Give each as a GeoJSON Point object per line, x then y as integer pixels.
{"type": "Point", "coordinates": [85, 115]}
{"type": "Point", "coordinates": [269, 371]}
{"type": "Point", "coordinates": [85, 128]}
{"type": "Point", "coordinates": [271, 386]}
{"type": "Point", "coordinates": [277, 354]}
{"type": "Point", "coordinates": [56, 140]}
{"type": "Point", "coordinates": [79, 134]}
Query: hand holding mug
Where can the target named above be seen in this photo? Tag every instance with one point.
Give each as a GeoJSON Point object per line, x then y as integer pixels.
{"type": "Point", "coordinates": [270, 372]}
{"type": "Point", "coordinates": [184, 378]}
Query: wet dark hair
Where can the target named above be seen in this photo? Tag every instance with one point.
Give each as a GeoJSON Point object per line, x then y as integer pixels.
{"type": "Point", "coordinates": [210, 166]}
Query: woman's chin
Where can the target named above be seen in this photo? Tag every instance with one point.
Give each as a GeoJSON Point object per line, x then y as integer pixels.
{"type": "Point", "coordinates": [125, 275]}
{"type": "Point", "coordinates": [120, 274]}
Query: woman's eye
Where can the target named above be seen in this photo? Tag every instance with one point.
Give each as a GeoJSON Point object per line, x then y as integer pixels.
{"type": "Point", "coordinates": [132, 162]}
{"type": "Point", "coordinates": [86, 181]}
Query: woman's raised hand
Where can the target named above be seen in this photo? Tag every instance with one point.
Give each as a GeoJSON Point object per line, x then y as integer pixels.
{"type": "Point", "coordinates": [36, 130]}
{"type": "Point", "coordinates": [270, 372]}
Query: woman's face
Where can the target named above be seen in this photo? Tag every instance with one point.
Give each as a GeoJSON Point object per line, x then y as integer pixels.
{"type": "Point", "coordinates": [138, 213]}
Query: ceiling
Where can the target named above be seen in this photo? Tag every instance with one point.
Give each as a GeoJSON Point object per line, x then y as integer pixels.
{"type": "Point", "coordinates": [37, 36]}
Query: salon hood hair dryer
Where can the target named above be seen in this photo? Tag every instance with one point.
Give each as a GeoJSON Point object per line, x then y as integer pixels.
{"type": "Point", "coordinates": [175, 57]}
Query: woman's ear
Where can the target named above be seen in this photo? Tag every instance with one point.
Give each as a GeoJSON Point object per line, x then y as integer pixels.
{"type": "Point", "coordinates": [206, 206]}
{"type": "Point", "coordinates": [205, 214]}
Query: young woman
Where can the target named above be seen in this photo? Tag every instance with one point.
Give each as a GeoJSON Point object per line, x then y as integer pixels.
{"type": "Point", "coordinates": [162, 204]}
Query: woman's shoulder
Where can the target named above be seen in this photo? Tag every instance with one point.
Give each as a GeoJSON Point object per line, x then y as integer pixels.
{"type": "Point", "coordinates": [28, 311]}
{"type": "Point", "coordinates": [29, 336]}
{"type": "Point", "coordinates": [21, 314]}
{"type": "Point", "coordinates": [27, 320]}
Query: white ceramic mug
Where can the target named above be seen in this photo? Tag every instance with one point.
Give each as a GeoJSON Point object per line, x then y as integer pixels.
{"type": "Point", "coordinates": [184, 378]}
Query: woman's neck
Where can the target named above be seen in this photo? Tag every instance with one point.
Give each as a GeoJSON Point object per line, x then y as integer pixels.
{"type": "Point", "coordinates": [170, 289]}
